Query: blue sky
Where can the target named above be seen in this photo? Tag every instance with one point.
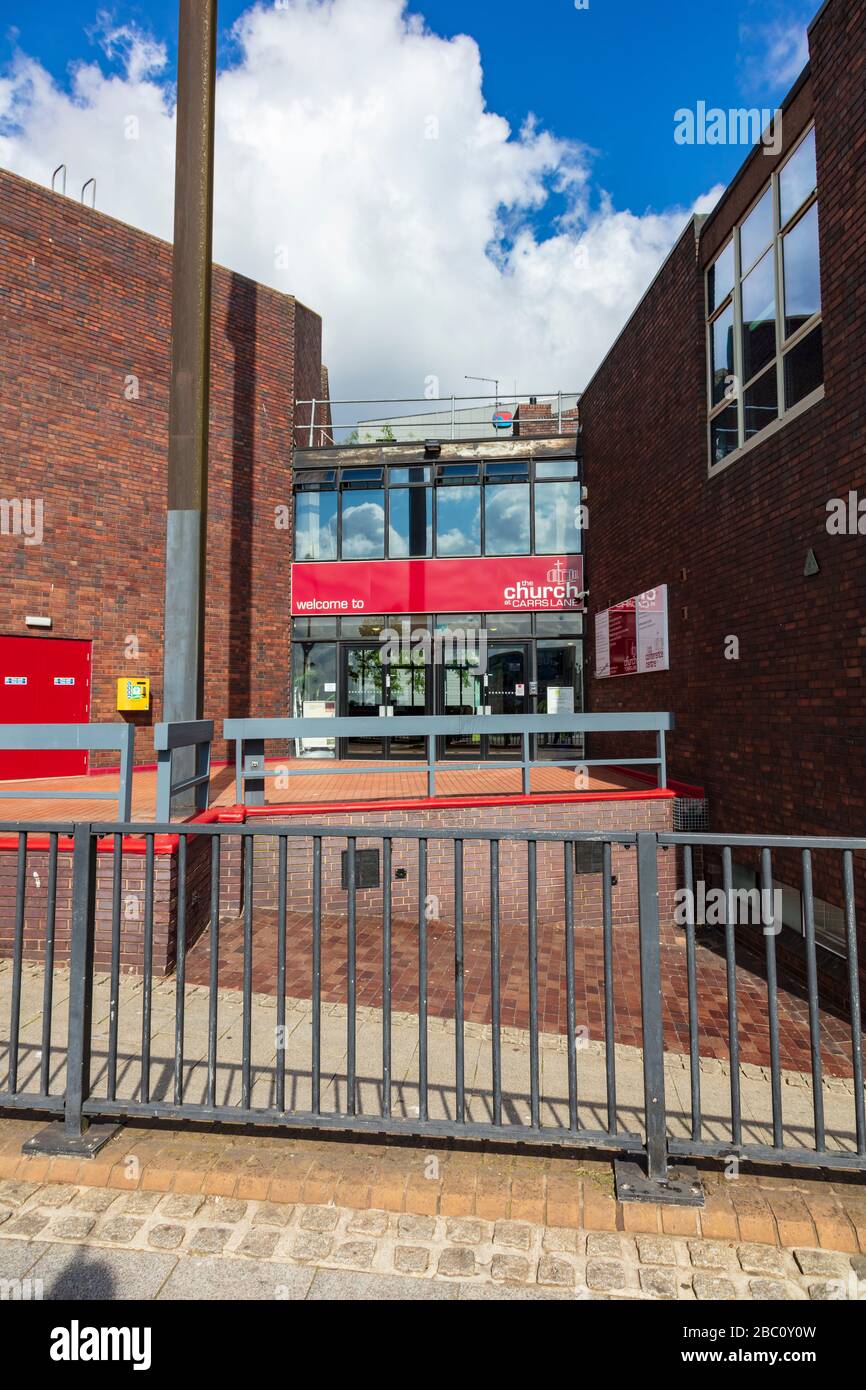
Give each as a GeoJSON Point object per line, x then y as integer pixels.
{"type": "Point", "coordinates": [484, 245]}
{"type": "Point", "coordinates": [610, 75]}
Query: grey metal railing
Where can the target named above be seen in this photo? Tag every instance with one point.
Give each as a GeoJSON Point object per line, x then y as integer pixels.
{"type": "Point", "coordinates": [197, 734]}
{"type": "Point", "coordinates": [700, 1143]}
{"type": "Point", "coordinates": [57, 738]}
{"type": "Point", "coordinates": [446, 417]}
{"type": "Point", "coordinates": [240, 1083]}
{"type": "Point", "coordinates": [250, 736]}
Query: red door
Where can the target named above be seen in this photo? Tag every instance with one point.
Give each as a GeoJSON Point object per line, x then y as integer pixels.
{"type": "Point", "coordinates": [43, 680]}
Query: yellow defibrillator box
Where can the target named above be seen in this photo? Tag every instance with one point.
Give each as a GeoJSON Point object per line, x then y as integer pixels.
{"type": "Point", "coordinates": [133, 693]}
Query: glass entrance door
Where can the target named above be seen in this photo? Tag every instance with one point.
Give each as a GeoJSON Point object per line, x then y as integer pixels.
{"type": "Point", "coordinates": [559, 692]}
{"type": "Point", "coordinates": [407, 691]}
{"type": "Point", "coordinates": [363, 697]}
{"type": "Point", "coordinates": [461, 691]}
{"type": "Point", "coordinates": [507, 693]}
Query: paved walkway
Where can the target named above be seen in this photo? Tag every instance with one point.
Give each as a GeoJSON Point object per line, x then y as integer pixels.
{"type": "Point", "coordinates": [405, 1098]}
{"type": "Point", "coordinates": [67, 1242]}
{"type": "Point", "coordinates": [589, 982]}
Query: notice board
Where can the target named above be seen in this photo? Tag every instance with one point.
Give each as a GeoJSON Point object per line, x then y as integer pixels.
{"type": "Point", "coordinates": [631, 638]}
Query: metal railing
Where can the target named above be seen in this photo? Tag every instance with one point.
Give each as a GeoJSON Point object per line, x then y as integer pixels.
{"type": "Point", "coordinates": [197, 734]}
{"type": "Point", "coordinates": [66, 738]}
{"type": "Point", "coordinates": [261, 1073]}
{"type": "Point", "coordinates": [699, 1143]}
{"type": "Point", "coordinates": [250, 735]}
{"type": "Point", "coordinates": [445, 417]}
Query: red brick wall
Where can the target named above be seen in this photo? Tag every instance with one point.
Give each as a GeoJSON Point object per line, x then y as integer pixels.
{"type": "Point", "coordinates": [166, 887]}
{"type": "Point", "coordinates": [778, 738]}
{"type": "Point", "coordinates": [652, 814]}
{"type": "Point", "coordinates": [85, 303]}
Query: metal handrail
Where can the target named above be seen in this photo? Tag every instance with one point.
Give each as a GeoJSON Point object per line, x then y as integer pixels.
{"type": "Point", "coordinates": [438, 405]}
{"type": "Point", "coordinates": [67, 738]}
{"type": "Point", "coordinates": [197, 734]}
{"type": "Point", "coordinates": [249, 736]}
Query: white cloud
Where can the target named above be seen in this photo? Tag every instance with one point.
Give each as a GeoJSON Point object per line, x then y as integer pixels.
{"type": "Point", "coordinates": [358, 168]}
{"type": "Point", "coordinates": [774, 54]}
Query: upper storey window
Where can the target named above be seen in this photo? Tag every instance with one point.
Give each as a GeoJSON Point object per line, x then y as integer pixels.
{"type": "Point", "coordinates": [763, 294]}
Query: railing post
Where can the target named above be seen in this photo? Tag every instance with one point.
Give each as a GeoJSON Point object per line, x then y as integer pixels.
{"type": "Point", "coordinates": [202, 769]}
{"type": "Point", "coordinates": [651, 1006]}
{"type": "Point", "coordinates": [127, 761]}
{"type": "Point", "coordinates": [431, 766]}
{"type": "Point", "coordinates": [662, 757]}
{"type": "Point", "coordinates": [527, 779]}
{"type": "Point", "coordinates": [254, 762]}
{"type": "Point", "coordinates": [74, 1135]}
{"type": "Point", "coordinates": [163, 785]}
{"type": "Point", "coordinates": [312, 422]}
{"type": "Point", "coordinates": [658, 1184]}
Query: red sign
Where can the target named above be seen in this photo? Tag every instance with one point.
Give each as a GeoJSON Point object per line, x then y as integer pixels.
{"type": "Point", "coordinates": [622, 637]}
{"type": "Point", "coordinates": [523, 583]}
{"type": "Point", "coordinates": [632, 637]}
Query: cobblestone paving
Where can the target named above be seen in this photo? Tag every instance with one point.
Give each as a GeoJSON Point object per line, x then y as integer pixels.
{"type": "Point", "coordinates": [95, 1242]}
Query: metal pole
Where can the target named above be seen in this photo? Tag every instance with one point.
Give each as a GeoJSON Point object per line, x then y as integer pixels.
{"type": "Point", "coordinates": [186, 531]}
{"type": "Point", "coordinates": [651, 1006]}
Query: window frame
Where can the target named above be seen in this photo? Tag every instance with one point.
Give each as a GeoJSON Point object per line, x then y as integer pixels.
{"type": "Point", "coordinates": [784, 345]}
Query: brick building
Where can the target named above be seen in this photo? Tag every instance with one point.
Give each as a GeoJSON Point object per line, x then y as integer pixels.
{"type": "Point", "coordinates": [85, 327]}
{"type": "Point", "coordinates": [717, 432]}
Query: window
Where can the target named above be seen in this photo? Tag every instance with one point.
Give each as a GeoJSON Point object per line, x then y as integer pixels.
{"type": "Point", "coordinates": [458, 521]}
{"type": "Point", "coordinates": [410, 522]}
{"type": "Point", "coordinates": [557, 518]}
{"type": "Point", "coordinates": [800, 277]}
{"type": "Point", "coordinates": [722, 355]}
{"type": "Point", "coordinates": [556, 468]}
{"type": "Point", "coordinates": [764, 342]}
{"type": "Point", "coordinates": [363, 526]}
{"type": "Point", "coordinates": [506, 519]}
{"type": "Point", "coordinates": [316, 525]}
{"type": "Point", "coordinates": [501, 506]}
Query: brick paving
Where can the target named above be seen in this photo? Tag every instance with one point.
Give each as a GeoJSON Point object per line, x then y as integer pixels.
{"type": "Point", "coordinates": [426, 1183]}
{"type": "Point", "coordinates": [514, 977]}
{"type": "Point", "coordinates": [173, 1242]}
{"type": "Point", "coordinates": [376, 784]}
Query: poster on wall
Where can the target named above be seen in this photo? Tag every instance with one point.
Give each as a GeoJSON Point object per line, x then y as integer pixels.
{"type": "Point", "coordinates": [602, 644]}
{"type": "Point", "coordinates": [652, 630]}
{"type": "Point", "coordinates": [631, 638]}
{"type": "Point", "coordinates": [622, 638]}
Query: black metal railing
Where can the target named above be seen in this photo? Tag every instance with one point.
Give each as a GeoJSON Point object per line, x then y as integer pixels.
{"type": "Point", "coordinates": [96, 1058]}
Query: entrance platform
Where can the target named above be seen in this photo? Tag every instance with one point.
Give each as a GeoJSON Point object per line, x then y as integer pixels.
{"type": "Point", "coordinates": [381, 785]}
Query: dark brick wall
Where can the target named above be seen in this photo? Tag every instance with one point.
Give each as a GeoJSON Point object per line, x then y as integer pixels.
{"type": "Point", "coordinates": [85, 303]}
{"type": "Point", "coordinates": [778, 738]}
